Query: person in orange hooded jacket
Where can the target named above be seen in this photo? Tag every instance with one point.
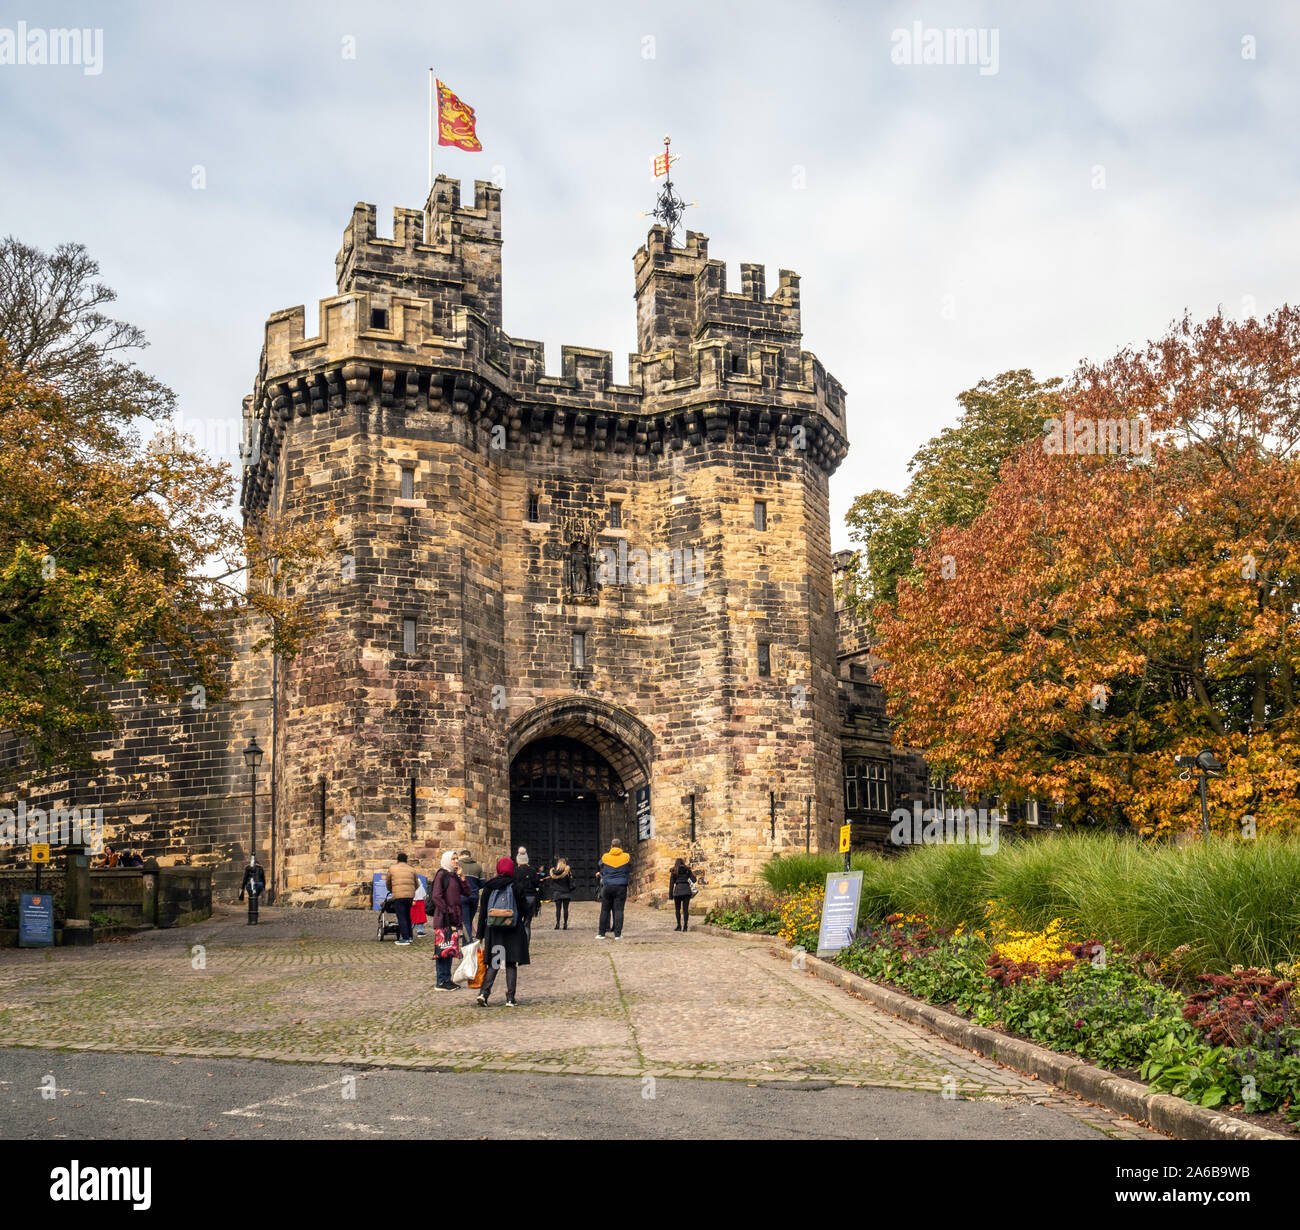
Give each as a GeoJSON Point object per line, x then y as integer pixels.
{"type": "Point", "coordinates": [615, 872]}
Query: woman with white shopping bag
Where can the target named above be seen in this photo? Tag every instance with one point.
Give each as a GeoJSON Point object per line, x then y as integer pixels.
{"type": "Point", "coordinates": [448, 888]}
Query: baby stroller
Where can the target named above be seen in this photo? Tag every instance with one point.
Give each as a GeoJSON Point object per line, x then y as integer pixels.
{"type": "Point", "coordinates": [387, 919]}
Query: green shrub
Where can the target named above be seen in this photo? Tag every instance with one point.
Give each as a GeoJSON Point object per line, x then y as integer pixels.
{"type": "Point", "coordinates": [744, 913]}
{"type": "Point", "coordinates": [1226, 901]}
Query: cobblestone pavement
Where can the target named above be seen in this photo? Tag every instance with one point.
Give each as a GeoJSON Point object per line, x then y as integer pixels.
{"type": "Point", "coordinates": [315, 986]}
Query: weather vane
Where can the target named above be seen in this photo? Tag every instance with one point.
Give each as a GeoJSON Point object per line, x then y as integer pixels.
{"type": "Point", "coordinates": [669, 208]}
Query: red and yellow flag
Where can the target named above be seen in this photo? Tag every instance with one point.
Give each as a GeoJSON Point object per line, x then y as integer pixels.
{"type": "Point", "coordinates": [661, 165]}
{"type": "Point", "coordinates": [455, 122]}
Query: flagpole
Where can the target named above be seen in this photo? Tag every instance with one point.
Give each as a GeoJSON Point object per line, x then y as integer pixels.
{"type": "Point", "coordinates": [430, 130]}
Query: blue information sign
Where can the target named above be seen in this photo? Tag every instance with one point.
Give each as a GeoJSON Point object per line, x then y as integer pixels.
{"type": "Point", "coordinates": [379, 889]}
{"type": "Point", "coordinates": [36, 920]}
{"type": "Point", "coordinates": [839, 911]}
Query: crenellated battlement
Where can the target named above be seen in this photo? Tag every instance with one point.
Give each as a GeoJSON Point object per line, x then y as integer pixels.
{"type": "Point", "coordinates": [448, 253]}
{"type": "Point", "coordinates": [417, 322]}
{"type": "Point", "coordinates": [411, 336]}
{"type": "Point", "coordinates": [682, 298]}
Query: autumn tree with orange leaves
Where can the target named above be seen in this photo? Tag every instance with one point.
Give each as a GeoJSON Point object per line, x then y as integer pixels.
{"type": "Point", "coordinates": [1129, 593]}
{"type": "Point", "coordinates": [119, 558]}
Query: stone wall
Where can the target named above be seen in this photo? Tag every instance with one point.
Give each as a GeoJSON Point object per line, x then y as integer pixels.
{"type": "Point", "coordinates": [170, 897]}
{"type": "Point", "coordinates": [170, 778]}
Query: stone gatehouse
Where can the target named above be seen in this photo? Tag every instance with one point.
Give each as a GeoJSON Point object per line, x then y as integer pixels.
{"type": "Point", "coordinates": [558, 600]}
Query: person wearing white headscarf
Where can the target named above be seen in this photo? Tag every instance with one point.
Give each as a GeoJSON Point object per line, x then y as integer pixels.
{"type": "Point", "coordinates": [448, 890]}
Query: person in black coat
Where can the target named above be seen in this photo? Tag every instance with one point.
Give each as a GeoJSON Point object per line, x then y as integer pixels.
{"type": "Point", "coordinates": [680, 879]}
{"type": "Point", "coordinates": [560, 881]}
{"type": "Point", "coordinates": [506, 946]}
{"type": "Point", "coordinates": [528, 882]}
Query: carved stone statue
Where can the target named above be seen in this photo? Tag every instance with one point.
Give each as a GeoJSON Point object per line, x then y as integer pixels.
{"type": "Point", "coordinates": [579, 569]}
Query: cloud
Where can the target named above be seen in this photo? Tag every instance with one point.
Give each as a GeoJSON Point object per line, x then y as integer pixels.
{"type": "Point", "coordinates": [946, 223]}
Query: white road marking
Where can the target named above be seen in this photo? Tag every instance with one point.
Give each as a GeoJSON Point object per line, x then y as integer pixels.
{"type": "Point", "coordinates": [253, 1110]}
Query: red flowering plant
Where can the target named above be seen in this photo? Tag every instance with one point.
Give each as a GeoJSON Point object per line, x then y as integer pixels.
{"type": "Point", "coordinates": [1245, 1006]}
{"type": "Point", "coordinates": [1007, 973]}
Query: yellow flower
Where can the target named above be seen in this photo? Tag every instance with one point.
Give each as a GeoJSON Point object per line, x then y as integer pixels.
{"type": "Point", "coordinates": [1014, 944]}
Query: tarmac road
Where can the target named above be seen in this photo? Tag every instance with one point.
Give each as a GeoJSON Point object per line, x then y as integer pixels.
{"type": "Point", "coordinates": [98, 1096]}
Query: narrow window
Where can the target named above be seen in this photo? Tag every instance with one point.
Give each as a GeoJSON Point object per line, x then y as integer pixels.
{"type": "Point", "coordinates": [764, 658]}
{"type": "Point", "coordinates": [534, 507]}
{"type": "Point", "coordinates": [579, 649]}
{"type": "Point", "coordinates": [616, 514]}
{"type": "Point", "coordinates": [379, 318]}
{"type": "Point", "coordinates": [408, 636]}
{"type": "Point", "coordinates": [408, 482]}
{"type": "Point", "coordinates": [938, 792]}
{"type": "Point", "coordinates": [760, 514]}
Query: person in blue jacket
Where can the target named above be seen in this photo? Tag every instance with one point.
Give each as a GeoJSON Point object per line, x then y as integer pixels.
{"type": "Point", "coordinates": [615, 872]}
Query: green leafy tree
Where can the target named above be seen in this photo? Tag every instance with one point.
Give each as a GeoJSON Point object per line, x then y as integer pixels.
{"type": "Point", "coordinates": [953, 475]}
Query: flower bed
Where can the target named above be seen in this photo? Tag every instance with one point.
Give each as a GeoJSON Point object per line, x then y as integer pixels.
{"type": "Point", "coordinates": [1230, 1041]}
{"type": "Point", "coordinates": [745, 913]}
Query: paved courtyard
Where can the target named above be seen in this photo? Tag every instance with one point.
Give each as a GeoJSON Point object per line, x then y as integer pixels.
{"type": "Point", "coordinates": [315, 987]}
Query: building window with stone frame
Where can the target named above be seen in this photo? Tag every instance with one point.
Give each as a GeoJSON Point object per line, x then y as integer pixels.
{"type": "Point", "coordinates": [408, 636]}
{"type": "Point", "coordinates": [760, 515]}
{"type": "Point", "coordinates": [408, 483]}
{"type": "Point", "coordinates": [866, 785]}
{"type": "Point", "coordinates": [616, 514]}
{"type": "Point", "coordinates": [579, 651]}
{"type": "Point", "coordinates": [1015, 811]}
{"type": "Point", "coordinates": [764, 659]}
{"type": "Point", "coordinates": [534, 506]}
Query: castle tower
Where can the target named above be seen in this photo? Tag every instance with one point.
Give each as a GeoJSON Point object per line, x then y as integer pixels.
{"type": "Point", "coordinates": [560, 605]}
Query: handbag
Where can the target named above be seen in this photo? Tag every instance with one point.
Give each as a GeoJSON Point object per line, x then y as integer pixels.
{"type": "Point", "coordinates": [695, 887]}
{"type": "Point", "coordinates": [447, 941]}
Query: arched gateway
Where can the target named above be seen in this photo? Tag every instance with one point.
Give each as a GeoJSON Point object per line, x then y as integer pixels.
{"type": "Point", "coordinates": [575, 767]}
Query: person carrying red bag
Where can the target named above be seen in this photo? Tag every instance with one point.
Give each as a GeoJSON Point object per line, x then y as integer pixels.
{"type": "Point", "coordinates": [448, 890]}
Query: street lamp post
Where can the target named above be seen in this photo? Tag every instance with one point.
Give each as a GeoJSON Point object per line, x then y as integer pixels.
{"type": "Point", "coordinates": [1205, 765]}
{"type": "Point", "coordinates": [253, 883]}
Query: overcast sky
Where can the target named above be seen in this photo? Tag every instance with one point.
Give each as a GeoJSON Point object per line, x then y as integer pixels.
{"type": "Point", "coordinates": [1124, 162]}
